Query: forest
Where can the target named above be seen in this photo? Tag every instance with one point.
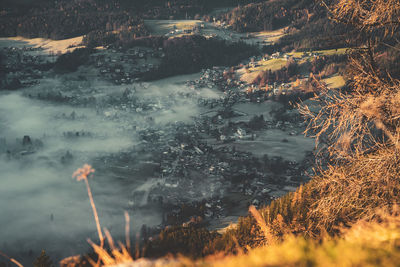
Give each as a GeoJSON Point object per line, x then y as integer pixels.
{"type": "Point", "coordinates": [189, 54]}
{"type": "Point", "coordinates": [70, 62]}
{"type": "Point", "coordinates": [65, 19]}
{"type": "Point", "coordinates": [69, 19]}
{"type": "Point", "coordinates": [270, 15]}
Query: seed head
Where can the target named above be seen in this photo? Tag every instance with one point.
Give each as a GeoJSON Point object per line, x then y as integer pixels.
{"type": "Point", "coordinates": [83, 173]}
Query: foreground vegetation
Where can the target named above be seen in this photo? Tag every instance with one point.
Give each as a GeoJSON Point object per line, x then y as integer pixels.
{"type": "Point", "coordinates": [365, 244]}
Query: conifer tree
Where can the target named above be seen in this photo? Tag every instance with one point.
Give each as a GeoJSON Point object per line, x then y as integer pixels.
{"type": "Point", "coordinates": [43, 260]}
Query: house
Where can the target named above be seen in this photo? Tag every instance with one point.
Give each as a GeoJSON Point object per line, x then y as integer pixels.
{"type": "Point", "coordinates": [276, 55]}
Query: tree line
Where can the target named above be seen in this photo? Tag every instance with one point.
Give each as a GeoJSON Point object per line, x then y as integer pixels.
{"type": "Point", "coordinates": [64, 19]}
{"type": "Point", "coordinates": [189, 54]}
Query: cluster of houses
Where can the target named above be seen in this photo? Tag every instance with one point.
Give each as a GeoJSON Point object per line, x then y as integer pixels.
{"type": "Point", "coordinates": [196, 29]}
{"type": "Point", "coordinates": [20, 147]}
{"type": "Point", "coordinates": [185, 157]}
{"type": "Point", "coordinates": [22, 66]}
{"type": "Point", "coordinates": [286, 56]}
{"type": "Point", "coordinates": [126, 67]}
{"type": "Point", "coordinates": [209, 78]}
{"type": "Point", "coordinates": [216, 77]}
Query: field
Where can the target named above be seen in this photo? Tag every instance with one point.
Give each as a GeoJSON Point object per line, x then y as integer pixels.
{"type": "Point", "coordinates": [162, 27]}
{"type": "Point", "coordinates": [269, 37]}
{"type": "Point", "coordinates": [329, 52]}
{"type": "Point", "coordinates": [248, 75]}
{"type": "Point", "coordinates": [335, 81]}
{"type": "Point", "coordinates": [50, 46]}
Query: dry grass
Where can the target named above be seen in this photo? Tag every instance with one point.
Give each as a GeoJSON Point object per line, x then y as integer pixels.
{"type": "Point", "coordinates": [252, 73]}
{"type": "Point", "coordinates": [366, 243]}
{"type": "Point", "coordinates": [350, 192]}
{"type": "Point", "coordinates": [334, 82]}
{"type": "Point", "coordinates": [329, 52]}
{"type": "Point", "coordinates": [365, 119]}
{"type": "Point", "coordinates": [360, 132]}
{"type": "Point", "coordinates": [359, 129]}
{"type": "Point", "coordinates": [53, 46]}
{"type": "Point", "coordinates": [368, 15]}
{"type": "Point", "coordinates": [262, 224]}
{"type": "Point", "coordinates": [270, 36]}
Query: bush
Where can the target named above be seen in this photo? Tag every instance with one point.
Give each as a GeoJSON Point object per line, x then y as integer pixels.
{"type": "Point", "coordinates": [43, 260]}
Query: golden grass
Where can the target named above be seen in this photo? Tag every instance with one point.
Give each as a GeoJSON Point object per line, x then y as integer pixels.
{"type": "Point", "coordinates": [252, 73]}
{"type": "Point", "coordinates": [368, 15]}
{"type": "Point", "coordinates": [334, 82]}
{"type": "Point", "coordinates": [353, 191]}
{"type": "Point", "coordinates": [262, 224]}
{"type": "Point", "coordinates": [359, 129]}
{"type": "Point", "coordinates": [270, 36]}
{"type": "Point", "coordinates": [329, 52]}
{"type": "Point", "coordinates": [366, 243]}
{"type": "Point", "coordinates": [357, 117]}
{"type": "Point", "coordinates": [53, 46]}
{"type": "Point", "coordinates": [277, 63]}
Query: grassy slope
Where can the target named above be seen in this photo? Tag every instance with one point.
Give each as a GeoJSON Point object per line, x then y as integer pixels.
{"type": "Point", "coordinates": [253, 72]}
{"type": "Point", "coordinates": [335, 81]}
{"type": "Point", "coordinates": [278, 63]}
{"type": "Point", "coordinates": [366, 244]}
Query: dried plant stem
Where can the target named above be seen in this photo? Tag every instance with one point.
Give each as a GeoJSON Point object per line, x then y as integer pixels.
{"type": "Point", "coordinates": [11, 259]}
{"type": "Point", "coordinates": [96, 216]}
{"type": "Point", "coordinates": [83, 174]}
{"type": "Point", "coordinates": [262, 224]}
{"type": "Point", "coordinates": [127, 239]}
